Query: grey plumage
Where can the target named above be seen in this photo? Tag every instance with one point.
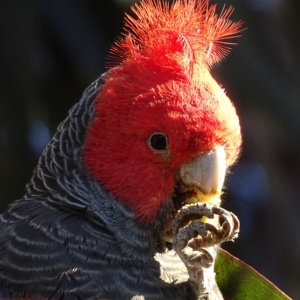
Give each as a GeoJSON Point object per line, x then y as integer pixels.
{"type": "Point", "coordinates": [68, 238]}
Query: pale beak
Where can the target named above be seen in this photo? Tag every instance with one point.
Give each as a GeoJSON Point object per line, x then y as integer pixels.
{"type": "Point", "coordinates": [206, 173]}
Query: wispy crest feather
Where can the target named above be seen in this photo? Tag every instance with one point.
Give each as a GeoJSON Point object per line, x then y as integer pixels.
{"type": "Point", "coordinates": [188, 32]}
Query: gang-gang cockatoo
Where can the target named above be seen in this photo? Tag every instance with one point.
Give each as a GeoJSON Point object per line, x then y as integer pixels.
{"type": "Point", "coordinates": [125, 200]}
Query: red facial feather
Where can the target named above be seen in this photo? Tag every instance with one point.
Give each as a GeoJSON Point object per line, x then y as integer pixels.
{"type": "Point", "coordinates": [161, 84]}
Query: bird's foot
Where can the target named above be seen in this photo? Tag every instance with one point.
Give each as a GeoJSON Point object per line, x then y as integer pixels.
{"type": "Point", "coordinates": [198, 230]}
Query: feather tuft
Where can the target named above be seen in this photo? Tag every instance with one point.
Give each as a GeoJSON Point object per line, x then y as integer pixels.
{"type": "Point", "coordinates": [187, 33]}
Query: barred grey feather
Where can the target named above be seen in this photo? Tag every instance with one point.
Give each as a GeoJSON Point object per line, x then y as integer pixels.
{"type": "Point", "coordinates": [68, 238]}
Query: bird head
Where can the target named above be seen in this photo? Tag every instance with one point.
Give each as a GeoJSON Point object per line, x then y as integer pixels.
{"type": "Point", "coordinates": [163, 129]}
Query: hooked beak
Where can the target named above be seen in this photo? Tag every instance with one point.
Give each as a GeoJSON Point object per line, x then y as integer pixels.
{"type": "Point", "coordinates": [205, 174]}
{"type": "Point", "coordinates": [199, 180]}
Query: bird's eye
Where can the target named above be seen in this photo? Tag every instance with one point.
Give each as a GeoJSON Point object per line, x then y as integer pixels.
{"type": "Point", "coordinates": [158, 141]}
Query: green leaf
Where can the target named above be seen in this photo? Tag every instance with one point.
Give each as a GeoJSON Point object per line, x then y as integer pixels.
{"type": "Point", "coordinates": [238, 281]}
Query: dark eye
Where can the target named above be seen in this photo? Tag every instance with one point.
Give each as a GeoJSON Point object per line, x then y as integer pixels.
{"type": "Point", "coordinates": [158, 141]}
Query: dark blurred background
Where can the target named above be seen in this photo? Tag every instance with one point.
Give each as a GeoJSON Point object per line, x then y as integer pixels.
{"type": "Point", "coordinates": [52, 50]}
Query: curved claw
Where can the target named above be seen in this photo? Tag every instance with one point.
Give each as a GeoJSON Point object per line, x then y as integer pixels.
{"type": "Point", "coordinates": [191, 236]}
{"type": "Point", "coordinates": [187, 224]}
{"type": "Point", "coordinates": [191, 212]}
{"type": "Point", "coordinates": [196, 234]}
{"type": "Point", "coordinates": [230, 226]}
{"type": "Point", "coordinates": [197, 242]}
